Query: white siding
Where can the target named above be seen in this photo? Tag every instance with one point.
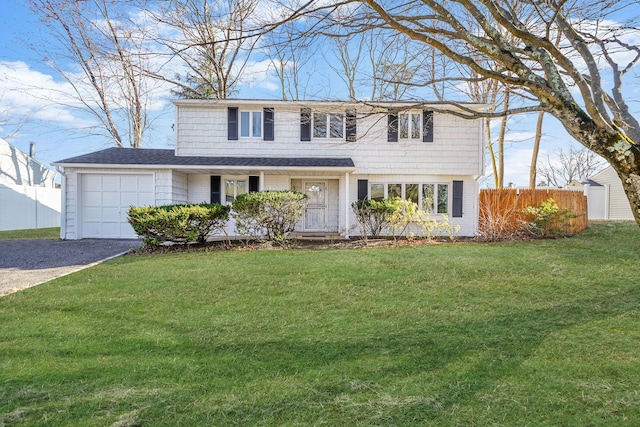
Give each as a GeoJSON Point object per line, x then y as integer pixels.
{"type": "Point", "coordinates": [199, 190]}
{"type": "Point", "coordinates": [164, 187]}
{"type": "Point", "coordinates": [457, 146]}
{"type": "Point", "coordinates": [277, 182]}
{"type": "Point", "coordinates": [619, 208]}
{"type": "Point", "coordinates": [179, 187]}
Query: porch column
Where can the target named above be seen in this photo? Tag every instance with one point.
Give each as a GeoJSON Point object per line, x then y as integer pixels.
{"type": "Point", "coordinates": [346, 205]}
{"type": "Point", "coordinates": [261, 182]}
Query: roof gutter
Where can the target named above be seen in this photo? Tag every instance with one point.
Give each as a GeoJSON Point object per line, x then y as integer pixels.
{"type": "Point", "coordinates": [187, 167]}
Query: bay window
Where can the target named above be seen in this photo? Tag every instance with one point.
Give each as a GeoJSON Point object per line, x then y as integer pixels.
{"type": "Point", "coordinates": [431, 198]}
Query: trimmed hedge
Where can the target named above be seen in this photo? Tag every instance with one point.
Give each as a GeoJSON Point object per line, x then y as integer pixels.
{"type": "Point", "coordinates": [182, 223]}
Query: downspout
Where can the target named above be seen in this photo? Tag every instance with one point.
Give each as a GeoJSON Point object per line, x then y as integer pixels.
{"type": "Point", "coordinates": [63, 204]}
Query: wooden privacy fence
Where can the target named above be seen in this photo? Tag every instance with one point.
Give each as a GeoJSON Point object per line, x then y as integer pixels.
{"type": "Point", "coordinates": [502, 209]}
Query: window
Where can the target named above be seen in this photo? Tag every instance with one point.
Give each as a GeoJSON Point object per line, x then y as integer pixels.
{"type": "Point", "coordinates": [435, 198]}
{"type": "Point", "coordinates": [328, 125]}
{"type": "Point", "coordinates": [377, 191]}
{"type": "Point", "coordinates": [409, 124]}
{"type": "Point", "coordinates": [431, 198]}
{"type": "Point", "coordinates": [443, 198]}
{"type": "Point", "coordinates": [233, 188]}
{"type": "Point", "coordinates": [394, 190]}
{"type": "Point", "coordinates": [251, 124]}
{"type": "Point", "coordinates": [411, 193]}
{"type": "Point", "coordinates": [428, 197]}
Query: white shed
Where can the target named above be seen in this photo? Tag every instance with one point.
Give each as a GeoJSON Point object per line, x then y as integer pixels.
{"type": "Point", "coordinates": [606, 197]}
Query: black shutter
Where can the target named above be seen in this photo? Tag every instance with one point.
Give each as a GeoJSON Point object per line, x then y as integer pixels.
{"type": "Point", "coordinates": [427, 126]}
{"type": "Point", "coordinates": [392, 129]}
{"type": "Point", "coordinates": [268, 118]}
{"type": "Point", "coordinates": [457, 199]}
{"type": "Point", "coordinates": [351, 125]}
{"type": "Point", "coordinates": [215, 189]}
{"type": "Point", "coordinates": [232, 124]}
{"type": "Point", "coordinates": [363, 189]}
{"type": "Point", "coordinates": [305, 124]}
{"type": "Point", "coordinates": [254, 184]}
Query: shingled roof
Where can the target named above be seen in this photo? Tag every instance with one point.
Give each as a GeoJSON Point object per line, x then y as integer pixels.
{"type": "Point", "coordinates": [162, 157]}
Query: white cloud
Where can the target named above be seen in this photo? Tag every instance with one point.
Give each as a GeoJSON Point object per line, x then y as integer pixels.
{"type": "Point", "coordinates": [28, 93]}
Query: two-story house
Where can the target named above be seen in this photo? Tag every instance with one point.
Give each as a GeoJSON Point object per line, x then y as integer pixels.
{"type": "Point", "coordinates": [334, 152]}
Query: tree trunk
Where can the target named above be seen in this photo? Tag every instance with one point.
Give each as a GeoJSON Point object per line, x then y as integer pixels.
{"type": "Point", "coordinates": [620, 151]}
{"type": "Point", "coordinates": [536, 149]}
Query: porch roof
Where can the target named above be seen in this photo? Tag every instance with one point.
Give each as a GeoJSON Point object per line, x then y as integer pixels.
{"type": "Point", "coordinates": [116, 157]}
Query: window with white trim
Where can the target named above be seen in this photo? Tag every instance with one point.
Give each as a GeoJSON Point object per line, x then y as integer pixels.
{"type": "Point", "coordinates": [410, 126]}
{"type": "Point", "coordinates": [233, 188]}
{"type": "Point", "coordinates": [251, 124]}
{"type": "Point", "coordinates": [431, 198]}
{"type": "Point", "coordinates": [328, 125]}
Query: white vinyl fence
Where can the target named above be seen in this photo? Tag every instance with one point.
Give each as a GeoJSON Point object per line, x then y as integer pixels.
{"type": "Point", "coordinates": [23, 207]}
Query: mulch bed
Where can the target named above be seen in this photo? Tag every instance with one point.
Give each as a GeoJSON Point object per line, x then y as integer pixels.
{"type": "Point", "coordinates": [237, 245]}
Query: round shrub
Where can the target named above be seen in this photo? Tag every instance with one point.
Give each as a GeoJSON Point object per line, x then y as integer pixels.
{"type": "Point", "coordinates": [269, 215]}
{"type": "Point", "coordinates": [181, 223]}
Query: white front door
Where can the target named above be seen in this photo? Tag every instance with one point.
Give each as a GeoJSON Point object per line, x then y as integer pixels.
{"type": "Point", "coordinates": [315, 217]}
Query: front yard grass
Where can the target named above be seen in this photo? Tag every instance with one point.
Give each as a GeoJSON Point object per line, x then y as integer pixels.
{"type": "Point", "coordinates": [531, 333]}
{"type": "Point", "coordinates": [32, 233]}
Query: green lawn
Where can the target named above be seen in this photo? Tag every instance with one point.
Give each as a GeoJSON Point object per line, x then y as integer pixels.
{"type": "Point", "coordinates": [33, 233]}
{"type": "Point", "coordinates": [466, 334]}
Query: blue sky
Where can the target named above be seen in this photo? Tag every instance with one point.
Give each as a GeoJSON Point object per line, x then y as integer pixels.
{"type": "Point", "coordinates": [54, 128]}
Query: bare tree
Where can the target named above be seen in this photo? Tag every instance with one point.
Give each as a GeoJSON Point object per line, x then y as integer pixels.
{"type": "Point", "coordinates": [290, 57]}
{"type": "Point", "coordinates": [97, 37]}
{"type": "Point", "coordinates": [564, 80]}
{"type": "Point", "coordinates": [574, 165]}
{"type": "Point", "coordinates": [6, 123]}
{"type": "Point", "coordinates": [348, 51]}
{"type": "Point", "coordinates": [210, 39]}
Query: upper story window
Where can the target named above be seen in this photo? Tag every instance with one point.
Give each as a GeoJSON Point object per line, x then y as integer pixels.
{"type": "Point", "coordinates": [410, 126]}
{"type": "Point", "coordinates": [251, 124]}
{"type": "Point", "coordinates": [328, 125]}
{"type": "Point", "coordinates": [322, 125]}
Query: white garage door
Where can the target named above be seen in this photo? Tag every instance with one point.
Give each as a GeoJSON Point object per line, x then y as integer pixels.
{"type": "Point", "coordinates": [106, 200]}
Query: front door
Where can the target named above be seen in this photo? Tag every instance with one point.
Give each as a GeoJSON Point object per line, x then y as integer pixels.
{"type": "Point", "coordinates": [315, 217]}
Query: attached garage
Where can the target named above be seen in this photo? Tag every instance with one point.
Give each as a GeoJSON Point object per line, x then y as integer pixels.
{"type": "Point", "coordinates": [99, 187]}
{"type": "Point", "coordinates": [105, 200]}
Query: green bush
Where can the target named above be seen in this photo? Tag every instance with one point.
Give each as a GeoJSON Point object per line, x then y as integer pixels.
{"type": "Point", "coordinates": [268, 215]}
{"type": "Point", "coordinates": [547, 220]}
{"type": "Point", "coordinates": [374, 216]}
{"type": "Point", "coordinates": [182, 223]}
{"type": "Point", "coordinates": [396, 215]}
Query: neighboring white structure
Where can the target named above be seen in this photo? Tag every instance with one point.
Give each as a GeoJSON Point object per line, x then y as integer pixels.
{"type": "Point", "coordinates": [335, 152]}
{"type": "Point", "coordinates": [606, 197]}
{"type": "Point", "coordinates": [28, 197]}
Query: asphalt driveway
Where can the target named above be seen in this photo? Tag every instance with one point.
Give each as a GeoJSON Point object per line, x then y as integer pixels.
{"type": "Point", "coordinates": [25, 263]}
